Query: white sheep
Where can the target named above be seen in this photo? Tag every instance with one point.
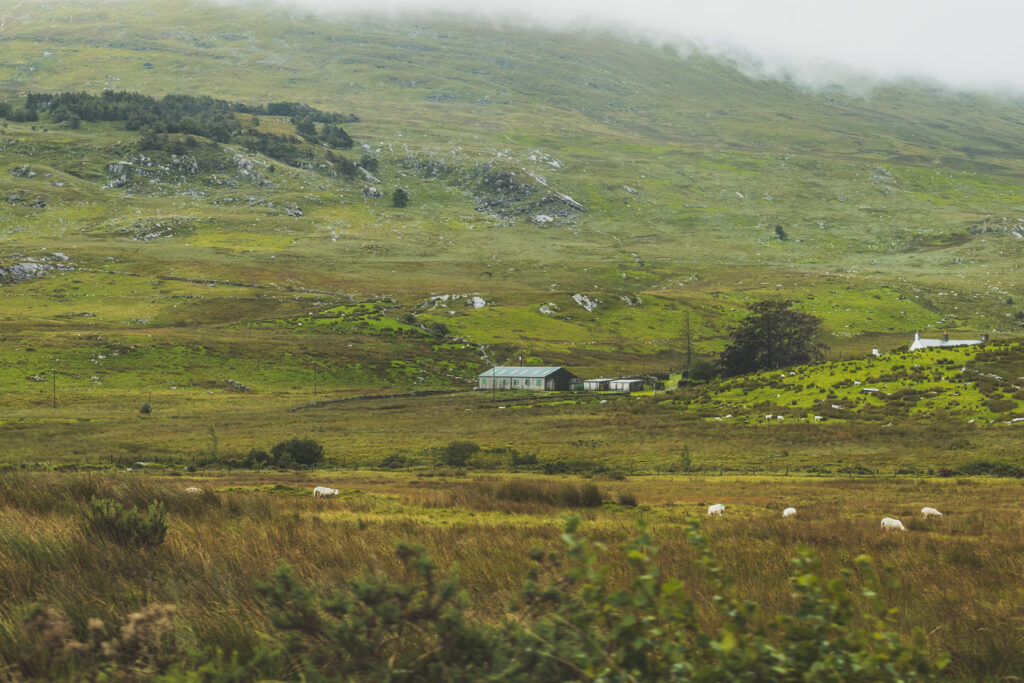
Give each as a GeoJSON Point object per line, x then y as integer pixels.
{"type": "Point", "coordinates": [930, 512]}
{"type": "Point", "coordinates": [193, 490]}
{"type": "Point", "coordinates": [818, 418]}
{"type": "Point", "coordinates": [716, 510]}
{"type": "Point", "coordinates": [324, 492]}
{"type": "Point", "coordinates": [779, 418]}
{"type": "Point", "coordinates": [889, 524]}
{"type": "Point", "coordinates": [789, 512]}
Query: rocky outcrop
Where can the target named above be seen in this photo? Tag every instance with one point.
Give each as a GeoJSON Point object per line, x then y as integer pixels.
{"type": "Point", "coordinates": [511, 193]}
{"type": "Point", "coordinates": [444, 300]}
{"type": "Point", "coordinates": [589, 304]}
{"type": "Point", "coordinates": [147, 229]}
{"type": "Point", "coordinates": [21, 268]}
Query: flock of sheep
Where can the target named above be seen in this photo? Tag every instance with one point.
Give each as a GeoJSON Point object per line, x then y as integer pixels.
{"type": "Point", "coordinates": [716, 510]}
{"type": "Point", "coordinates": [888, 523]}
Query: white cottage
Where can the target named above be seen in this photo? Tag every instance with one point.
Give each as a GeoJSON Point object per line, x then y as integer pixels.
{"type": "Point", "coordinates": [922, 343]}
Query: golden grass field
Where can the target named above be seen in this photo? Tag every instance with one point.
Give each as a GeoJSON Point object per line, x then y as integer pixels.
{"type": "Point", "coordinates": [960, 578]}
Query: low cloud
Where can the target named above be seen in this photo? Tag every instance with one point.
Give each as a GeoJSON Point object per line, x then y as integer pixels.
{"type": "Point", "coordinates": [962, 44]}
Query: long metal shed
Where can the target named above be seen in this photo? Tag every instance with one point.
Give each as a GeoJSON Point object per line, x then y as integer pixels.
{"type": "Point", "coordinates": [527, 378]}
{"type": "Point", "coordinates": [626, 385]}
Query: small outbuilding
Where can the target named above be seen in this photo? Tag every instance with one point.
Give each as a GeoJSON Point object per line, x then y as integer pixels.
{"type": "Point", "coordinates": [626, 385]}
{"type": "Point", "coordinates": [599, 384]}
{"type": "Point", "coordinates": [527, 378]}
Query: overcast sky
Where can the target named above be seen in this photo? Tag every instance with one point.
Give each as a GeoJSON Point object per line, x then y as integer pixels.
{"type": "Point", "coordinates": [966, 44]}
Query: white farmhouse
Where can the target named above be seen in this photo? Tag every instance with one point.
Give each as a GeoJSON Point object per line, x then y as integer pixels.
{"type": "Point", "coordinates": [922, 343]}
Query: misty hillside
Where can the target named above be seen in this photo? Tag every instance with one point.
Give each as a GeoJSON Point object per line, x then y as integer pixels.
{"type": "Point", "coordinates": [574, 194]}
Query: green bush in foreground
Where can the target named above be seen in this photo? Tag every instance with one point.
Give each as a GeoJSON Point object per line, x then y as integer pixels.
{"type": "Point", "coordinates": [569, 624]}
{"type": "Point", "coordinates": [127, 526]}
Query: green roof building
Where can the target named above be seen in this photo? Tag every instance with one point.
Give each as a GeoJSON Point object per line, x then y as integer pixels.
{"type": "Point", "coordinates": [531, 379]}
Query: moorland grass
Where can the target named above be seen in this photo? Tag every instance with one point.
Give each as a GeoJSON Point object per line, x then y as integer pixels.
{"type": "Point", "coordinates": [219, 544]}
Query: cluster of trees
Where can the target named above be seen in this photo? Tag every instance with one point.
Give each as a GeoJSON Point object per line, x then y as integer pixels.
{"type": "Point", "coordinates": [332, 136]}
{"type": "Point", "coordinates": [19, 114]}
{"type": "Point", "coordinates": [773, 335]}
{"type": "Point", "coordinates": [188, 115]}
{"type": "Point", "coordinates": [139, 109]}
{"type": "Point", "coordinates": [290, 454]}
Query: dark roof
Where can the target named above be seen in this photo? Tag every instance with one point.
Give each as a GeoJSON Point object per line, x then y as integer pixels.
{"type": "Point", "coordinates": [515, 371]}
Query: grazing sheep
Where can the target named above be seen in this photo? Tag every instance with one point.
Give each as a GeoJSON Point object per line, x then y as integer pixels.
{"type": "Point", "coordinates": [818, 418]}
{"type": "Point", "coordinates": [888, 524]}
{"type": "Point", "coordinates": [193, 489]}
{"type": "Point", "coordinates": [779, 418]}
{"type": "Point", "coordinates": [789, 512]}
{"type": "Point", "coordinates": [716, 510]}
{"type": "Point", "coordinates": [930, 512]}
{"type": "Point", "coordinates": [324, 492]}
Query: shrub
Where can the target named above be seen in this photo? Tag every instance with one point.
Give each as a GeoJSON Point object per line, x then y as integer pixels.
{"type": "Point", "coordinates": [394, 461]}
{"type": "Point", "coordinates": [400, 198]}
{"type": "Point", "coordinates": [573, 621]}
{"type": "Point", "coordinates": [1000, 405]}
{"type": "Point", "coordinates": [256, 459]}
{"type": "Point", "coordinates": [458, 453]}
{"type": "Point", "coordinates": [297, 453]}
{"type": "Point", "coordinates": [525, 460]}
{"type": "Point", "coordinates": [146, 409]}
{"type": "Point", "coordinates": [590, 496]}
{"type": "Point", "coordinates": [127, 526]}
{"type": "Point", "coordinates": [627, 498]}
{"type": "Point", "coordinates": [994, 469]}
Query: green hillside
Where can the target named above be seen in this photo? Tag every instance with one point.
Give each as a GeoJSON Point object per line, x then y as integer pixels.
{"type": "Point", "coordinates": [573, 196]}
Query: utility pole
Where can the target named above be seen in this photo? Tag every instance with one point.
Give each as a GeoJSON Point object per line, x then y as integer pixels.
{"type": "Point", "coordinates": [689, 344]}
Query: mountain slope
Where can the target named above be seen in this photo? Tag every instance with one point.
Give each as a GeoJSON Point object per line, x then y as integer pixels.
{"type": "Point", "coordinates": [540, 166]}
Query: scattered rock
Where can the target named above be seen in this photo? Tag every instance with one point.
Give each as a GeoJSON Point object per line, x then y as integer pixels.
{"type": "Point", "coordinates": [588, 303]}
{"type": "Point", "coordinates": [22, 172]}
{"type": "Point", "coordinates": [236, 386]}
{"type": "Point", "coordinates": [146, 229]}
{"type": "Point", "coordinates": [372, 192]}
{"type": "Point", "coordinates": [629, 189]}
{"type": "Point", "coordinates": [550, 308]}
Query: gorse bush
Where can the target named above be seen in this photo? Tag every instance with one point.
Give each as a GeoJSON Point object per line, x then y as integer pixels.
{"type": "Point", "coordinates": [570, 623]}
{"type": "Point", "coordinates": [458, 453]}
{"type": "Point", "coordinates": [297, 453]}
{"type": "Point", "coordinates": [127, 526]}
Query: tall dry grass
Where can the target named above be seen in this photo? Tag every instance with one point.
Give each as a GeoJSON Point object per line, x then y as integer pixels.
{"type": "Point", "coordinates": [961, 578]}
